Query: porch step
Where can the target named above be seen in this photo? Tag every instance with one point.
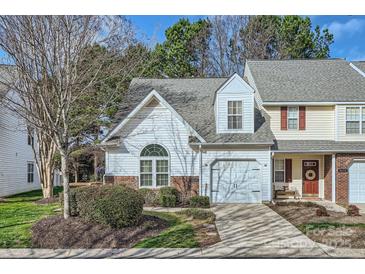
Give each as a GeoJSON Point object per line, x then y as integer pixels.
{"type": "Point", "coordinates": [280, 194]}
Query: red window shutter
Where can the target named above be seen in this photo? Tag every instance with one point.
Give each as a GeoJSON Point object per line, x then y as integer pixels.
{"type": "Point", "coordinates": [284, 118]}
{"type": "Point", "coordinates": [288, 170]}
{"type": "Point", "coordinates": [301, 118]}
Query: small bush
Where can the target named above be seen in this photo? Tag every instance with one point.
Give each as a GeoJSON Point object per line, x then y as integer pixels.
{"type": "Point", "coordinates": [199, 201]}
{"type": "Point", "coordinates": [321, 211]}
{"type": "Point", "coordinates": [151, 197]}
{"type": "Point", "coordinates": [198, 214]}
{"type": "Point", "coordinates": [353, 210]}
{"type": "Point", "coordinates": [168, 196]}
{"type": "Point", "coordinates": [116, 206]}
{"type": "Point", "coordinates": [168, 200]}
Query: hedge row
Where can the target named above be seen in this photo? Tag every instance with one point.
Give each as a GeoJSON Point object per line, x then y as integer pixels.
{"type": "Point", "coordinates": [169, 197]}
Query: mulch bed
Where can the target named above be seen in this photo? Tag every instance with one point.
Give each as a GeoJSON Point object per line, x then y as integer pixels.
{"type": "Point", "coordinates": [56, 232]}
{"type": "Point", "coordinates": [349, 235]}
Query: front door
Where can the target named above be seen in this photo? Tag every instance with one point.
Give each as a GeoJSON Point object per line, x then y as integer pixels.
{"type": "Point", "coordinates": [310, 177]}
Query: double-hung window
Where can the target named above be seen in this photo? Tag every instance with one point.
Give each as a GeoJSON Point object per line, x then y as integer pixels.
{"type": "Point", "coordinates": [293, 117]}
{"type": "Point", "coordinates": [279, 170]}
{"type": "Point", "coordinates": [30, 136]}
{"type": "Point", "coordinates": [355, 120]}
{"type": "Point", "coordinates": [30, 172]}
{"type": "Point", "coordinates": [234, 114]}
{"type": "Point", "coordinates": [154, 166]}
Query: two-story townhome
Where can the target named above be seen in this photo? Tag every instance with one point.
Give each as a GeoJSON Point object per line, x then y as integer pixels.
{"type": "Point", "coordinates": [18, 171]}
{"type": "Point", "coordinates": [297, 125]}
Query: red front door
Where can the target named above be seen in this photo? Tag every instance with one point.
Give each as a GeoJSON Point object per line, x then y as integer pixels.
{"type": "Point", "coordinates": [310, 177]}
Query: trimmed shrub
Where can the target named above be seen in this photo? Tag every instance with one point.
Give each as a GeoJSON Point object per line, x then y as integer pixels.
{"type": "Point", "coordinates": [151, 197]}
{"type": "Point", "coordinates": [199, 201]}
{"type": "Point", "coordinates": [321, 211]}
{"type": "Point", "coordinates": [168, 200]}
{"type": "Point", "coordinates": [353, 210]}
{"type": "Point", "coordinates": [116, 206]}
{"type": "Point", "coordinates": [168, 196]}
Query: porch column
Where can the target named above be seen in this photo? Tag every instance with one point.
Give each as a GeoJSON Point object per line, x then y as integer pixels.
{"type": "Point", "coordinates": [333, 178]}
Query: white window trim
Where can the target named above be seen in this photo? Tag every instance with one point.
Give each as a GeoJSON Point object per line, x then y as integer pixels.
{"type": "Point", "coordinates": [279, 170]}
{"type": "Point", "coordinates": [154, 172]}
{"type": "Point", "coordinates": [360, 120]}
{"type": "Point", "coordinates": [30, 162]}
{"type": "Point", "coordinates": [287, 118]}
{"type": "Point", "coordinates": [235, 115]}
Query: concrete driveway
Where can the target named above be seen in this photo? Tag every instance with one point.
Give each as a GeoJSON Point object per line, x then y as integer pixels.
{"type": "Point", "coordinates": [256, 230]}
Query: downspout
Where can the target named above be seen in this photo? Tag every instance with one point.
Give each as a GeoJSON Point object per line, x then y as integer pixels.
{"type": "Point", "coordinates": [200, 171]}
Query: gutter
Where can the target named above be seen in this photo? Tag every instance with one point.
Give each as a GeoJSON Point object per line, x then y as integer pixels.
{"type": "Point", "coordinates": [225, 144]}
{"type": "Point", "coordinates": [309, 103]}
{"type": "Point", "coordinates": [318, 151]}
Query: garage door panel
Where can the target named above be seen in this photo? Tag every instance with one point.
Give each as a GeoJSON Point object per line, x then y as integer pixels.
{"type": "Point", "coordinates": [357, 182]}
{"type": "Point", "coordinates": [236, 182]}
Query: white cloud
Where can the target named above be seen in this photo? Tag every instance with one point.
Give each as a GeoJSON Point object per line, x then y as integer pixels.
{"type": "Point", "coordinates": [348, 28]}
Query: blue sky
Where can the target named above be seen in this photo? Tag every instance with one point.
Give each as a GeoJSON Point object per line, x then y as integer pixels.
{"type": "Point", "coordinates": [349, 31]}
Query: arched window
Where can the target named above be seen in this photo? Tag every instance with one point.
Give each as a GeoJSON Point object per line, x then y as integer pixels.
{"type": "Point", "coordinates": [154, 166]}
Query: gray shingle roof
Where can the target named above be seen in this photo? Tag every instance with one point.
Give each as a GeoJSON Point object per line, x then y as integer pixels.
{"type": "Point", "coordinates": [360, 65]}
{"type": "Point", "coordinates": [331, 80]}
{"type": "Point", "coordinates": [193, 99]}
{"type": "Point", "coordinates": [318, 146]}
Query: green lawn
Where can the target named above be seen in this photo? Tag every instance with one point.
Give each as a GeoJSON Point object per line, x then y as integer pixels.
{"type": "Point", "coordinates": [312, 226]}
{"type": "Point", "coordinates": [180, 234]}
{"type": "Point", "coordinates": [18, 213]}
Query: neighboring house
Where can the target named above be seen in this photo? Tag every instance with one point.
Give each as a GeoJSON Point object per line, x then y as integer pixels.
{"type": "Point", "coordinates": [18, 172]}
{"type": "Point", "coordinates": [297, 125]}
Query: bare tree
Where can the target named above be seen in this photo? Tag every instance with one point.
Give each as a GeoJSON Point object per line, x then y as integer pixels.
{"type": "Point", "coordinates": [225, 44]}
{"type": "Point", "coordinates": [54, 75]}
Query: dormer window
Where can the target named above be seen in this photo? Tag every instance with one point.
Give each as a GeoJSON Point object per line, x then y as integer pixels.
{"type": "Point", "coordinates": [234, 114]}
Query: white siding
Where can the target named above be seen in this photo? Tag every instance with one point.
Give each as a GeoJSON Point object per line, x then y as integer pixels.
{"type": "Point", "coordinates": [235, 90]}
{"type": "Point", "coordinates": [251, 81]}
{"type": "Point", "coordinates": [341, 126]}
{"type": "Point", "coordinates": [263, 157]}
{"type": "Point", "coordinates": [320, 124]}
{"type": "Point", "coordinates": [153, 125]}
{"type": "Point", "coordinates": [14, 155]}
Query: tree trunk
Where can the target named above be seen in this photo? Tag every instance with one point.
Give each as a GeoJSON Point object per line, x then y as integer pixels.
{"type": "Point", "coordinates": [66, 185]}
{"type": "Point", "coordinates": [95, 166]}
{"type": "Point", "coordinates": [44, 151]}
{"type": "Point", "coordinates": [76, 174]}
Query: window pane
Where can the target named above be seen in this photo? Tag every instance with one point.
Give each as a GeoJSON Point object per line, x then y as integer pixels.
{"type": "Point", "coordinates": [279, 176]}
{"type": "Point", "coordinates": [293, 112]}
{"type": "Point", "coordinates": [146, 166]}
{"type": "Point", "coordinates": [162, 179]}
{"type": "Point", "coordinates": [279, 164]}
{"type": "Point", "coordinates": [146, 179]}
{"type": "Point", "coordinates": [292, 123]}
{"type": "Point", "coordinates": [154, 150]}
{"type": "Point", "coordinates": [230, 122]}
{"type": "Point", "coordinates": [353, 114]}
{"type": "Point", "coordinates": [162, 166]}
{"type": "Point", "coordinates": [363, 127]}
{"type": "Point", "coordinates": [353, 127]}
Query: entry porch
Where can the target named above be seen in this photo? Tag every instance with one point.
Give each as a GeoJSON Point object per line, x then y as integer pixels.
{"type": "Point", "coordinates": [302, 176]}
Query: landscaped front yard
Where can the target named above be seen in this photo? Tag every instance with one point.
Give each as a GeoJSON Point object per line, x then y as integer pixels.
{"type": "Point", "coordinates": [338, 229]}
{"type": "Point", "coordinates": [25, 223]}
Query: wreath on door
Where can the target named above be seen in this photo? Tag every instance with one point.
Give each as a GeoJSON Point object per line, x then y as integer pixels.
{"type": "Point", "coordinates": [310, 174]}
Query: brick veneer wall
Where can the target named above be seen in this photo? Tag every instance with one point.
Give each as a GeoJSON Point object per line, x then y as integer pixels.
{"type": "Point", "coordinates": [130, 181]}
{"type": "Point", "coordinates": [328, 177]}
{"type": "Point", "coordinates": [186, 184]}
{"type": "Point", "coordinates": [344, 161]}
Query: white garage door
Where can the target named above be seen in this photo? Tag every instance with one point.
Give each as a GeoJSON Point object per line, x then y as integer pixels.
{"type": "Point", "coordinates": [236, 182]}
{"type": "Point", "coordinates": [357, 182]}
